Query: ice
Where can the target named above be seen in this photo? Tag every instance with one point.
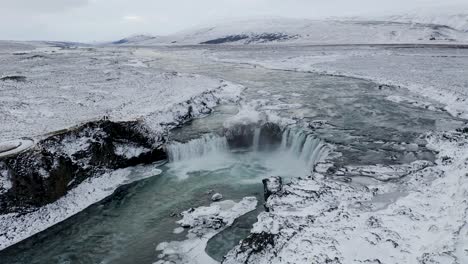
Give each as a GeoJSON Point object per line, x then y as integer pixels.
{"type": "Point", "coordinates": [203, 223]}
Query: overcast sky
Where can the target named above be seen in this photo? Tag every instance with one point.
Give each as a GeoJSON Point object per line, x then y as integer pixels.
{"type": "Point", "coordinates": [98, 20]}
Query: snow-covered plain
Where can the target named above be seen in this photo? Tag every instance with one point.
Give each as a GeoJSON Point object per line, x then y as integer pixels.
{"type": "Point", "coordinates": [66, 87]}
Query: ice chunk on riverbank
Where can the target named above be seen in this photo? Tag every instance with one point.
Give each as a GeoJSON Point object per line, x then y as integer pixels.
{"type": "Point", "coordinates": [216, 197]}
{"type": "Point", "coordinates": [204, 222]}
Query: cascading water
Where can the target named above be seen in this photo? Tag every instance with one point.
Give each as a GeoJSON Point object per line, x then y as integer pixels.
{"type": "Point", "coordinates": [304, 146]}
{"type": "Point", "coordinates": [295, 144]}
{"type": "Point", "coordinates": [256, 139]}
{"type": "Point", "coordinates": [208, 144]}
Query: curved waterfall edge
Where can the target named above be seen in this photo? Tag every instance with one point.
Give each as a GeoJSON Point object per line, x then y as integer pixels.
{"type": "Point", "coordinates": [298, 142]}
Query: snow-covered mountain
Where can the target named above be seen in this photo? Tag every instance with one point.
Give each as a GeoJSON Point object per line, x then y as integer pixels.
{"type": "Point", "coordinates": [395, 29]}
{"type": "Point", "coordinates": [135, 39]}
{"type": "Point", "coordinates": [455, 21]}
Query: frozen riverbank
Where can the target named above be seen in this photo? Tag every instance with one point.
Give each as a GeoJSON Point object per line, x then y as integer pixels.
{"type": "Point", "coordinates": [72, 163]}
{"type": "Point", "coordinates": [436, 75]}
{"type": "Point", "coordinates": [419, 219]}
{"type": "Point", "coordinates": [61, 88]}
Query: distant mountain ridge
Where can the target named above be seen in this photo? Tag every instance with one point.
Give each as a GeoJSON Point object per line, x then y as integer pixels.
{"type": "Point", "coordinates": [455, 21]}
{"type": "Point", "coordinates": [134, 39]}
{"type": "Point", "coordinates": [384, 30]}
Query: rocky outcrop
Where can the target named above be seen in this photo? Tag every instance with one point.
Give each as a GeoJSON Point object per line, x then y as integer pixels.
{"type": "Point", "coordinates": [252, 38]}
{"type": "Point", "coordinates": [271, 185]}
{"type": "Point", "coordinates": [242, 135]}
{"type": "Point", "coordinates": [16, 78]}
{"type": "Point", "coordinates": [60, 162]}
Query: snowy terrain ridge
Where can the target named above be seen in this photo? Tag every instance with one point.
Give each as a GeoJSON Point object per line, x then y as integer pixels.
{"type": "Point", "coordinates": [134, 39]}
{"type": "Point", "coordinates": [458, 21]}
{"type": "Point", "coordinates": [304, 31]}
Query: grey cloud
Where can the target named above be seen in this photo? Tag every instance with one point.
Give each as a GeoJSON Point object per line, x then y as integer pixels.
{"type": "Point", "coordinates": [41, 6]}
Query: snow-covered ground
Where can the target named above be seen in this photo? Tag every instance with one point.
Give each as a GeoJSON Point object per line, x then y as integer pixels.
{"type": "Point", "coordinates": [203, 223]}
{"type": "Point", "coordinates": [66, 87]}
{"type": "Point", "coordinates": [437, 75]}
{"type": "Point", "coordinates": [421, 219]}
{"type": "Point", "coordinates": [379, 30]}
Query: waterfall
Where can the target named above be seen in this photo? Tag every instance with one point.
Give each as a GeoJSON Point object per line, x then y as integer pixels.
{"type": "Point", "coordinates": [295, 143]}
{"type": "Point", "coordinates": [208, 144]}
{"type": "Point", "coordinates": [256, 139]}
{"type": "Point", "coordinates": [304, 146]}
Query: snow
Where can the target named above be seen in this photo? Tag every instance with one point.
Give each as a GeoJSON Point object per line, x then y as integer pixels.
{"type": "Point", "coordinates": [71, 86]}
{"type": "Point", "coordinates": [15, 227]}
{"type": "Point", "coordinates": [420, 219]}
{"type": "Point", "coordinates": [216, 197]}
{"type": "Point", "coordinates": [451, 18]}
{"type": "Point", "coordinates": [13, 147]}
{"type": "Point", "coordinates": [203, 222]}
{"type": "Point", "coordinates": [133, 39]}
{"type": "Point", "coordinates": [378, 30]}
{"type": "Point", "coordinates": [258, 112]}
{"type": "Point", "coordinates": [247, 115]}
{"type": "Point", "coordinates": [5, 182]}
{"type": "Point", "coordinates": [130, 151]}
{"type": "Point", "coordinates": [443, 87]}
{"type": "Point", "coordinates": [68, 87]}
{"type": "Point", "coordinates": [411, 213]}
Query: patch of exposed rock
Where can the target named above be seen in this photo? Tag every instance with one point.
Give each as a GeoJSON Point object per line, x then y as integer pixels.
{"type": "Point", "coordinates": [55, 165]}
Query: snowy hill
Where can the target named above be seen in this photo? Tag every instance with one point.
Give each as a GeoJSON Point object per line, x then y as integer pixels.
{"type": "Point", "coordinates": [134, 39]}
{"type": "Point", "coordinates": [389, 30]}
{"type": "Point", "coordinates": [455, 20]}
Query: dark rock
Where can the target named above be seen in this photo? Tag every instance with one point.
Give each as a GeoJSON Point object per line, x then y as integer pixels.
{"type": "Point", "coordinates": [257, 242]}
{"type": "Point", "coordinates": [252, 38]}
{"type": "Point", "coordinates": [227, 39]}
{"type": "Point", "coordinates": [46, 172]}
{"type": "Point", "coordinates": [270, 136]}
{"type": "Point", "coordinates": [271, 185]}
{"type": "Point", "coordinates": [269, 37]}
{"type": "Point", "coordinates": [35, 57]}
{"type": "Point", "coordinates": [463, 130]}
{"type": "Point", "coordinates": [241, 136]}
{"type": "Point", "coordinates": [16, 78]}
